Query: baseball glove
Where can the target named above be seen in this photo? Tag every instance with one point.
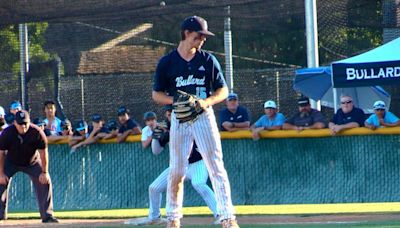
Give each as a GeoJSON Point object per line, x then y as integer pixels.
{"type": "Point", "coordinates": [160, 131]}
{"type": "Point", "coordinates": [186, 107]}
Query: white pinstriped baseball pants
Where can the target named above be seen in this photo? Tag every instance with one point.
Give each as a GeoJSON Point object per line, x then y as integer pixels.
{"type": "Point", "coordinates": [206, 134]}
{"type": "Point", "coordinates": [197, 173]}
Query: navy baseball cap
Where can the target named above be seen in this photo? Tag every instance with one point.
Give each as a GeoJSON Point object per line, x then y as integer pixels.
{"type": "Point", "coordinates": [149, 115]}
{"type": "Point", "coordinates": [81, 125]}
{"type": "Point", "coordinates": [122, 111]}
{"type": "Point", "coordinates": [197, 24]}
{"type": "Point", "coordinates": [233, 96]}
{"type": "Point", "coordinates": [15, 105]}
{"type": "Point", "coordinates": [22, 117]}
{"type": "Point", "coordinates": [39, 121]}
{"type": "Point", "coordinates": [96, 118]}
{"type": "Point", "coordinates": [303, 101]}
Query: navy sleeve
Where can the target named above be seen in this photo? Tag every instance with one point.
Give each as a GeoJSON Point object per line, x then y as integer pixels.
{"type": "Point", "coordinates": [335, 118]}
{"type": "Point", "coordinates": [218, 80]}
{"type": "Point", "coordinates": [291, 120]}
{"type": "Point", "coordinates": [160, 82]}
{"type": "Point", "coordinates": [4, 141]}
{"type": "Point", "coordinates": [246, 116]}
{"type": "Point", "coordinates": [360, 117]}
{"type": "Point", "coordinates": [132, 124]}
{"type": "Point", "coordinates": [222, 117]}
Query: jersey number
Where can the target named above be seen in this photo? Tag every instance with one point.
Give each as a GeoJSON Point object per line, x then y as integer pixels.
{"type": "Point", "coordinates": [201, 92]}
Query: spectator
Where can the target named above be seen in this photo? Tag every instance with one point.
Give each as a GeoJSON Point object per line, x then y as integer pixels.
{"type": "Point", "coordinates": [15, 106]}
{"type": "Point", "coordinates": [347, 116]}
{"type": "Point", "coordinates": [234, 117]}
{"type": "Point", "coordinates": [3, 123]}
{"type": "Point", "coordinates": [305, 118]}
{"type": "Point", "coordinates": [66, 128]}
{"type": "Point", "coordinates": [272, 120]}
{"type": "Point", "coordinates": [381, 117]}
{"type": "Point", "coordinates": [150, 120]}
{"type": "Point", "coordinates": [42, 125]}
{"type": "Point", "coordinates": [112, 127]}
{"type": "Point", "coordinates": [52, 122]}
{"type": "Point", "coordinates": [96, 132]}
{"type": "Point", "coordinates": [127, 125]}
{"type": "Point", "coordinates": [80, 134]}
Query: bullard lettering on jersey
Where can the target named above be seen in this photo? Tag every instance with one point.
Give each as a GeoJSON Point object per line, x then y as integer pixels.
{"type": "Point", "coordinates": [362, 74]}
{"type": "Point", "coordinates": [189, 81]}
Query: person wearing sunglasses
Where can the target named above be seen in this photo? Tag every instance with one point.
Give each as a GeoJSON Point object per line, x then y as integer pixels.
{"type": "Point", "coordinates": [347, 116]}
{"type": "Point", "coordinates": [381, 117]}
{"type": "Point", "coordinates": [27, 151]}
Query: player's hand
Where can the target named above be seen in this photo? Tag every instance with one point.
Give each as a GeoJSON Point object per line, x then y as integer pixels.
{"type": "Point", "coordinates": [3, 179]}
{"type": "Point", "coordinates": [44, 178]}
{"type": "Point", "coordinates": [203, 104]}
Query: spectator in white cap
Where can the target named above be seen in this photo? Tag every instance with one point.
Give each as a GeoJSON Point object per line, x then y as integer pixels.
{"type": "Point", "coordinates": [381, 117]}
{"type": "Point", "coordinates": [234, 117]}
{"type": "Point", "coordinates": [3, 124]}
{"type": "Point", "coordinates": [272, 120]}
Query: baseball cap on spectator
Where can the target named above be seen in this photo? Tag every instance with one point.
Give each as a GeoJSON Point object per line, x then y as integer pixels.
{"type": "Point", "coordinates": [379, 105]}
{"type": "Point", "coordinates": [2, 112]}
{"type": "Point", "coordinates": [122, 111]}
{"type": "Point", "coordinates": [9, 118]}
{"type": "Point", "coordinates": [81, 125]}
{"type": "Point", "coordinates": [270, 104]}
{"type": "Point", "coordinates": [149, 116]}
{"type": "Point", "coordinates": [112, 125]}
{"type": "Point", "coordinates": [167, 108]}
{"type": "Point", "coordinates": [96, 118]}
{"type": "Point", "coordinates": [65, 124]}
{"type": "Point", "coordinates": [22, 117]}
{"type": "Point", "coordinates": [232, 96]}
{"type": "Point", "coordinates": [39, 121]}
{"type": "Point", "coordinates": [15, 105]}
{"type": "Point", "coordinates": [303, 101]}
{"type": "Point", "coordinates": [196, 24]}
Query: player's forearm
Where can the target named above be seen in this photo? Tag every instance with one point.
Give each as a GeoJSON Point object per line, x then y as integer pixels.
{"type": "Point", "coordinates": [44, 159]}
{"type": "Point", "coordinates": [219, 95]}
{"type": "Point", "coordinates": [162, 98]}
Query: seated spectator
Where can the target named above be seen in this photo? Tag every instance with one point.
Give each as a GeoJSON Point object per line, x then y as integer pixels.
{"type": "Point", "coordinates": [96, 132]}
{"type": "Point", "coordinates": [347, 116]}
{"type": "Point", "coordinates": [381, 117]}
{"type": "Point", "coordinates": [150, 120]}
{"type": "Point", "coordinates": [234, 117]}
{"type": "Point", "coordinates": [272, 120]}
{"type": "Point", "coordinates": [80, 133]}
{"type": "Point", "coordinates": [52, 122]}
{"type": "Point", "coordinates": [305, 118]}
{"type": "Point", "coordinates": [3, 123]}
{"type": "Point", "coordinates": [42, 125]}
{"type": "Point", "coordinates": [66, 128]}
{"type": "Point", "coordinates": [15, 106]}
{"type": "Point", "coordinates": [127, 125]}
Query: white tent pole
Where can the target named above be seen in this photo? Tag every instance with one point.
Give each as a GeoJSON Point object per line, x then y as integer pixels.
{"type": "Point", "coordinates": [335, 101]}
{"type": "Point", "coordinates": [312, 40]}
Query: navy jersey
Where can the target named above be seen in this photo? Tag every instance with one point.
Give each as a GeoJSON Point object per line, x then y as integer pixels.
{"type": "Point", "coordinates": [130, 124]}
{"type": "Point", "coordinates": [199, 76]}
{"type": "Point", "coordinates": [241, 115]}
{"type": "Point", "coordinates": [356, 115]}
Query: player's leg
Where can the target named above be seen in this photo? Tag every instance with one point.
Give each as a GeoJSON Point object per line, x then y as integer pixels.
{"type": "Point", "coordinates": [156, 189]}
{"type": "Point", "coordinates": [181, 142]}
{"type": "Point", "coordinates": [207, 137]}
{"type": "Point", "coordinates": [44, 192]}
{"type": "Point", "coordinates": [198, 174]}
{"type": "Point", "coordinates": [9, 171]}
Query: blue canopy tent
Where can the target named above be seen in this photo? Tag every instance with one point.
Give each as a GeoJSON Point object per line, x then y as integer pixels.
{"type": "Point", "coordinates": [379, 66]}
{"type": "Point", "coordinates": [316, 83]}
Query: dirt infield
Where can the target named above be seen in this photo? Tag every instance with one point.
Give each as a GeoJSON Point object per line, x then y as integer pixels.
{"type": "Point", "coordinates": [260, 220]}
